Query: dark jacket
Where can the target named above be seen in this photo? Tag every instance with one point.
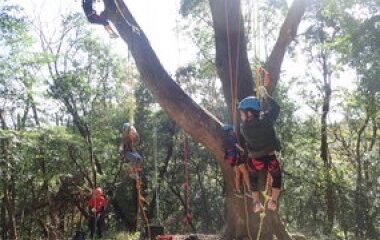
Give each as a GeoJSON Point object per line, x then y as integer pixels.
{"type": "Point", "coordinates": [229, 142]}
{"type": "Point", "coordinates": [260, 134]}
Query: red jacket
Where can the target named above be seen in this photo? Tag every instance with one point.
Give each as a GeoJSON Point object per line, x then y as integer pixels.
{"type": "Point", "coordinates": [99, 203]}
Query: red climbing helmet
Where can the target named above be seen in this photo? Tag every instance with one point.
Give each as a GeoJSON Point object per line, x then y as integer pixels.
{"type": "Point", "coordinates": [98, 191]}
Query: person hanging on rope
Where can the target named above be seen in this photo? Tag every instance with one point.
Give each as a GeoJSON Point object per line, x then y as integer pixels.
{"type": "Point", "coordinates": [258, 118]}
{"type": "Point", "coordinates": [233, 155]}
{"type": "Point", "coordinates": [130, 138]}
{"type": "Point", "coordinates": [94, 18]}
{"type": "Point", "coordinates": [96, 206]}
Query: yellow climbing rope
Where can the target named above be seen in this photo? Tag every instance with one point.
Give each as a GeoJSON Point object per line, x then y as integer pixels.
{"type": "Point", "coordinates": [263, 214]}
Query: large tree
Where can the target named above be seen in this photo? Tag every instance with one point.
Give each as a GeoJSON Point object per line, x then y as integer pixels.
{"type": "Point", "coordinates": [195, 120]}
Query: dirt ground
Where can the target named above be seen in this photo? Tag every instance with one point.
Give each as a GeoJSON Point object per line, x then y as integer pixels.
{"type": "Point", "coordinates": [196, 237]}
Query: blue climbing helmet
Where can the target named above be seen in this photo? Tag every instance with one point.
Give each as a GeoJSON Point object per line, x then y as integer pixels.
{"type": "Point", "coordinates": [250, 103]}
{"type": "Point", "coordinates": [126, 126]}
{"type": "Point", "coordinates": [227, 127]}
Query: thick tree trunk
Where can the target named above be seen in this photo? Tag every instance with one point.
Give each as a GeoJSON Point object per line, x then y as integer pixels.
{"type": "Point", "coordinates": [195, 120]}
{"type": "Point", "coordinates": [231, 50]}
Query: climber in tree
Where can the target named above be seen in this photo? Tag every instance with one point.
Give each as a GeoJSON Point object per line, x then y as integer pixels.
{"type": "Point", "coordinates": [130, 138]}
{"type": "Point", "coordinates": [233, 155]}
{"type": "Point", "coordinates": [258, 118]}
{"type": "Point", "coordinates": [96, 206]}
{"type": "Point", "coordinates": [94, 18]}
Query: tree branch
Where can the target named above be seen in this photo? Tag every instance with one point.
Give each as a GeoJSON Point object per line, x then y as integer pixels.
{"type": "Point", "coordinates": [287, 34]}
{"type": "Point", "coordinates": [195, 120]}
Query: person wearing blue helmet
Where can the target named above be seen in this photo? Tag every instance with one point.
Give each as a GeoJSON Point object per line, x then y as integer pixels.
{"type": "Point", "coordinates": [233, 155]}
{"type": "Point", "coordinates": [258, 118]}
{"type": "Point", "coordinates": [130, 139]}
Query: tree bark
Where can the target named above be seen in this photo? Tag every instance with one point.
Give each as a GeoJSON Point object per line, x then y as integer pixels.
{"type": "Point", "coordinates": [231, 50]}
